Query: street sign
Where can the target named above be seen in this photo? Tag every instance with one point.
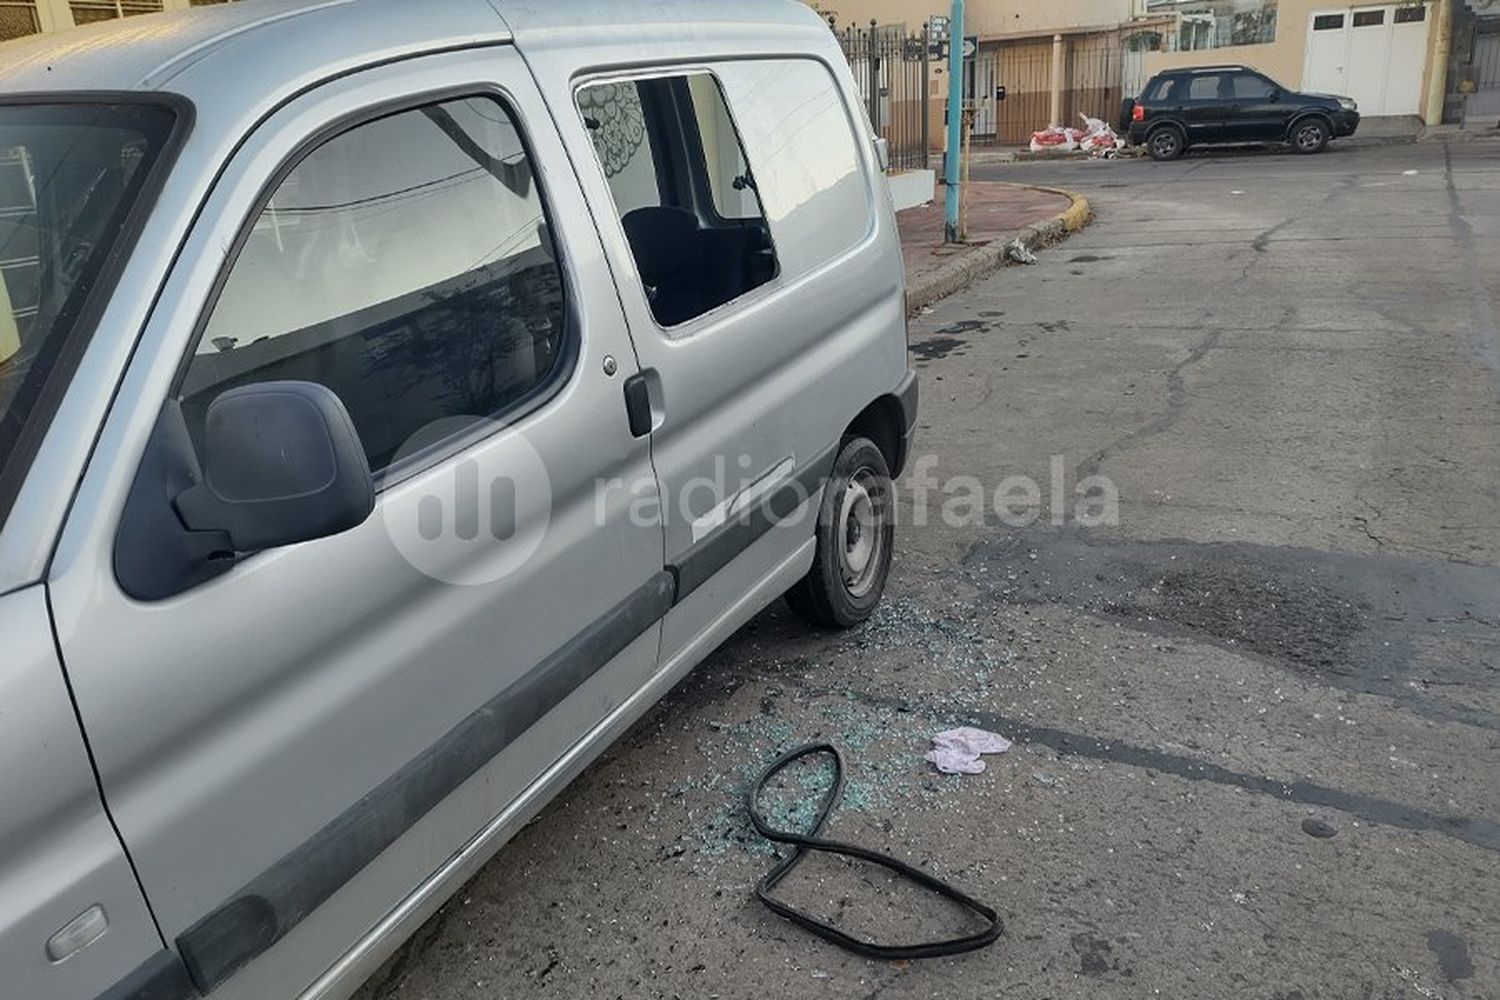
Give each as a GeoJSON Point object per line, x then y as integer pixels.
{"type": "Point", "coordinates": [971, 46]}
{"type": "Point", "coordinates": [937, 26]}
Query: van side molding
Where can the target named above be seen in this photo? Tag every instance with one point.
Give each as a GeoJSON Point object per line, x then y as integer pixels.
{"type": "Point", "coordinates": [718, 549]}
{"type": "Point", "coordinates": [160, 977]}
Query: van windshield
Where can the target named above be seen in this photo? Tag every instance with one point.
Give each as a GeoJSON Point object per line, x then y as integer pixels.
{"type": "Point", "coordinates": [69, 175]}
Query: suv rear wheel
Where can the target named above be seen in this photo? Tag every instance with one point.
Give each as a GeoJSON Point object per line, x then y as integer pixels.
{"type": "Point", "coordinates": [1166, 143]}
{"type": "Point", "coordinates": [1309, 135]}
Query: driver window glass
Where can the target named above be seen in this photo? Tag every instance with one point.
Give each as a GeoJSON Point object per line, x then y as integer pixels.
{"type": "Point", "coordinates": [1247, 86]}
{"type": "Point", "coordinates": [407, 265]}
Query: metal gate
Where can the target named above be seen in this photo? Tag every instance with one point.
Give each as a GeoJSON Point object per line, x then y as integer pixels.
{"type": "Point", "coordinates": [1093, 76]}
{"type": "Point", "coordinates": [891, 70]}
{"type": "Point", "coordinates": [1486, 65]}
{"type": "Point", "coordinates": [1481, 76]}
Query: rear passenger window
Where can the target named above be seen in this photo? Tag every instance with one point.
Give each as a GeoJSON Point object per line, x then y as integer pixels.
{"type": "Point", "coordinates": [1204, 87]}
{"type": "Point", "coordinates": [405, 264]}
{"type": "Point", "coordinates": [1158, 91]}
{"type": "Point", "coordinates": [684, 189]}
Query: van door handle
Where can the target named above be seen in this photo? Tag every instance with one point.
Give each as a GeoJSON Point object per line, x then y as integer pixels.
{"type": "Point", "coordinates": [638, 403]}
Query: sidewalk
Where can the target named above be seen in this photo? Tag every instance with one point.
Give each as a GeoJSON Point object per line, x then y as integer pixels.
{"type": "Point", "coordinates": [998, 212]}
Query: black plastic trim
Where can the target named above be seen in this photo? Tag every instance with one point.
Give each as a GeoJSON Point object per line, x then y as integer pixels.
{"type": "Point", "coordinates": [274, 902]}
{"type": "Point", "coordinates": [638, 405]}
{"type": "Point", "coordinates": [906, 399]}
{"type": "Point", "coordinates": [76, 340]}
{"type": "Point", "coordinates": [160, 977]}
{"type": "Point", "coordinates": [715, 551]}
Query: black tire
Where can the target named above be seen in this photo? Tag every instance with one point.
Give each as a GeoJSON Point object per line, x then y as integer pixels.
{"type": "Point", "coordinates": [1310, 135]}
{"type": "Point", "coordinates": [1166, 143]}
{"type": "Point", "coordinates": [855, 535]}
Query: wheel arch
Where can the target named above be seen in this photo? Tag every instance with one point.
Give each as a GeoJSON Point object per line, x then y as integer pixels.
{"type": "Point", "coordinates": [884, 423]}
{"type": "Point", "coordinates": [1171, 123]}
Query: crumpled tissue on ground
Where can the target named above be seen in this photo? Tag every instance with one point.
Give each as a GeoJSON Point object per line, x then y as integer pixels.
{"type": "Point", "coordinates": [958, 751]}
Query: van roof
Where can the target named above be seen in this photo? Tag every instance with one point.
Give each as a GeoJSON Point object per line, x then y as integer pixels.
{"type": "Point", "coordinates": [242, 46]}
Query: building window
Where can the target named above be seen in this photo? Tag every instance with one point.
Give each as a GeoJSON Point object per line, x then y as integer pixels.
{"type": "Point", "coordinates": [1212, 24]}
{"type": "Point", "coordinates": [1411, 15]}
{"type": "Point", "coordinates": [89, 11]}
{"type": "Point", "coordinates": [1328, 22]}
{"type": "Point", "coordinates": [18, 19]}
{"type": "Point", "coordinates": [1369, 18]}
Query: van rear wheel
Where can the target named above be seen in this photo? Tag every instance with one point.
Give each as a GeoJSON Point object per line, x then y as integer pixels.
{"type": "Point", "coordinates": [855, 535]}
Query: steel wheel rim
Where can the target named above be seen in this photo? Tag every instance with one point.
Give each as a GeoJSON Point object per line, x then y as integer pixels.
{"type": "Point", "coordinates": [860, 525]}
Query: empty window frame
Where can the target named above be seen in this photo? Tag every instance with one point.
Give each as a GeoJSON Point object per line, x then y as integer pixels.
{"type": "Point", "coordinates": [810, 158]}
{"type": "Point", "coordinates": [684, 190]}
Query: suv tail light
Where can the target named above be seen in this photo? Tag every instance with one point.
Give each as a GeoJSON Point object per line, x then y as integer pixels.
{"type": "Point", "coordinates": [1137, 113]}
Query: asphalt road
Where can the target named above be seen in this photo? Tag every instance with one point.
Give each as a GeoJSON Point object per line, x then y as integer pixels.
{"type": "Point", "coordinates": [1288, 371]}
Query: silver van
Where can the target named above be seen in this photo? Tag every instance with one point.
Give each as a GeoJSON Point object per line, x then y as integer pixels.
{"type": "Point", "coordinates": [396, 399]}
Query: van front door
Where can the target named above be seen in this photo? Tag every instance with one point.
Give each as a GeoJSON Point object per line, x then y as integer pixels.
{"type": "Point", "coordinates": [292, 741]}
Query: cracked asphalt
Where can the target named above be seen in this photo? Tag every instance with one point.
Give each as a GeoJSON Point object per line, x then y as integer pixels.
{"type": "Point", "coordinates": [1256, 718]}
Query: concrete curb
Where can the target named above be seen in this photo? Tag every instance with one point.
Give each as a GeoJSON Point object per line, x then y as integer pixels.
{"type": "Point", "coordinates": [985, 258]}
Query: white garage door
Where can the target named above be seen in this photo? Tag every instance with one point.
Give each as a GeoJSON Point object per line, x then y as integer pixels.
{"type": "Point", "coordinates": [1372, 54]}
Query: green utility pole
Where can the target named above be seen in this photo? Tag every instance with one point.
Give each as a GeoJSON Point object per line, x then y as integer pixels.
{"type": "Point", "coordinates": [955, 118]}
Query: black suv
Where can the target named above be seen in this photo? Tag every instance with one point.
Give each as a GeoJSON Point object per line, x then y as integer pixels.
{"type": "Point", "coordinates": [1188, 107]}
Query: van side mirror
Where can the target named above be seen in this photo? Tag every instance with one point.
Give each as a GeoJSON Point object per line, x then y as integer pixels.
{"type": "Point", "coordinates": [282, 463]}
{"type": "Point", "coordinates": [1275, 95]}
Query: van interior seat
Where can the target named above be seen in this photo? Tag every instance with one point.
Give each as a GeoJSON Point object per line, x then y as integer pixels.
{"type": "Point", "coordinates": [664, 241]}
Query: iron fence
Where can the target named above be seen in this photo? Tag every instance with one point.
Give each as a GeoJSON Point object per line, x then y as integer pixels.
{"type": "Point", "coordinates": [892, 71]}
{"type": "Point", "coordinates": [1010, 84]}
{"type": "Point", "coordinates": [1484, 63]}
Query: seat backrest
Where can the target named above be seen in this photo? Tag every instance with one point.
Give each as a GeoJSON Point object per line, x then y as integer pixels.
{"type": "Point", "coordinates": [664, 241]}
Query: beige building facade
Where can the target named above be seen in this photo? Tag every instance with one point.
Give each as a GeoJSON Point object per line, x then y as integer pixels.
{"type": "Point", "coordinates": [989, 18]}
{"type": "Point", "coordinates": [28, 17]}
{"type": "Point", "coordinates": [1390, 57]}
{"type": "Point", "coordinates": [1059, 59]}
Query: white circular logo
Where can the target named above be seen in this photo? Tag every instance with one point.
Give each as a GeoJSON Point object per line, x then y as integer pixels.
{"type": "Point", "coordinates": [476, 516]}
